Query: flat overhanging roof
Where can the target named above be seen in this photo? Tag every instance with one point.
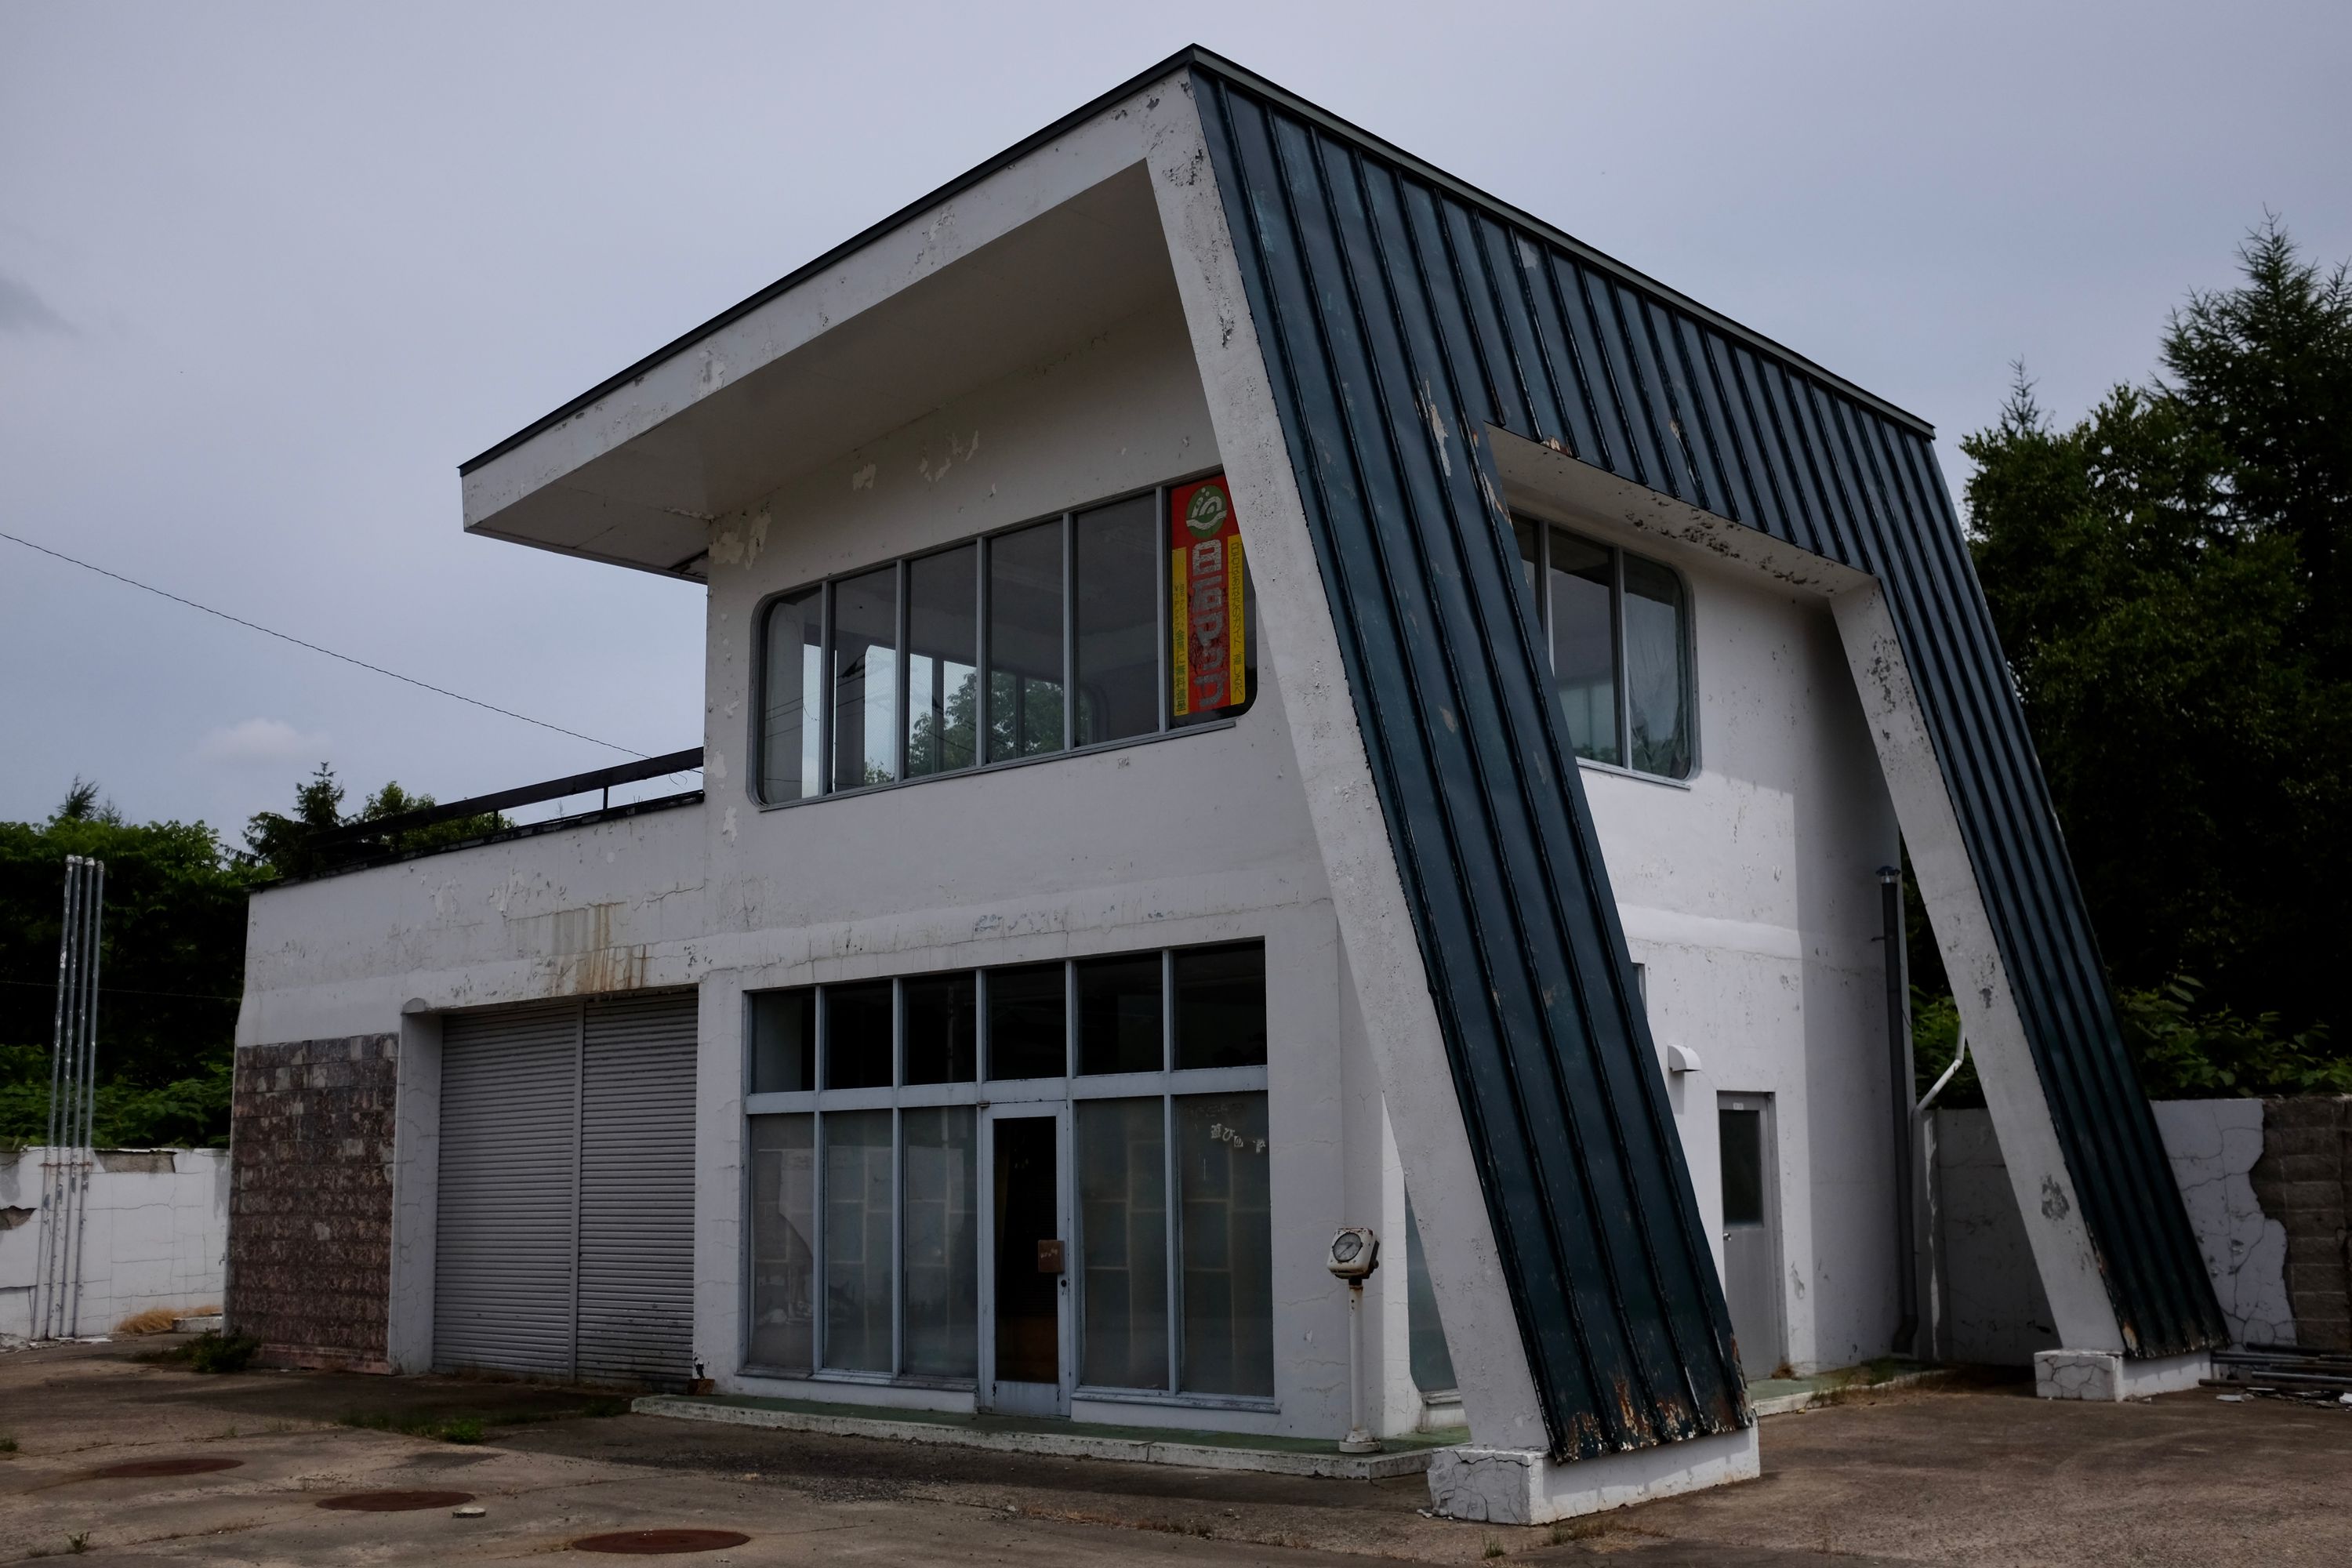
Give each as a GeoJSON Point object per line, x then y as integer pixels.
{"type": "Point", "coordinates": [1032, 251]}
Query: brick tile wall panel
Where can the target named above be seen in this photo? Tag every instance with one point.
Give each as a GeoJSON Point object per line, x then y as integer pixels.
{"type": "Point", "coordinates": [311, 1197]}
{"type": "Point", "coordinates": [2303, 1181]}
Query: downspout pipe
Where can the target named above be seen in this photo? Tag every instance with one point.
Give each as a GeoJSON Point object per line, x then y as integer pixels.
{"type": "Point", "coordinates": [1904, 1120]}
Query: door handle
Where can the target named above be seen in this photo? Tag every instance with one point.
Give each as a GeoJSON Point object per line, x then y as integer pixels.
{"type": "Point", "coordinates": [1049, 1256]}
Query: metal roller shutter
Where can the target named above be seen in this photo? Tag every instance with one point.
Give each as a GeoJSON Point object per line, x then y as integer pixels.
{"type": "Point", "coordinates": [504, 1245]}
{"type": "Point", "coordinates": [636, 1190]}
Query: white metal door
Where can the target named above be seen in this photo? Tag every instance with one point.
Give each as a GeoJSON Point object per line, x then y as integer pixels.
{"type": "Point", "coordinates": [1751, 1230]}
{"type": "Point", "coordinates": [504, 1247]}
{"type": "Point", "coordinates": [1027, 1365]}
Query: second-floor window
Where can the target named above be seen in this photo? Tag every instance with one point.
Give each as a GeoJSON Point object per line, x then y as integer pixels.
{"type": "Point", "coordinates": [1102, 625]}
{"type": "Point", "coordinates": [1617, 628]}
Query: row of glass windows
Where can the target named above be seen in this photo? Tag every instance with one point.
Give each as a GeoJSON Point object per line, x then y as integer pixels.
{"type": "Point", "coordinates": [1081, 630]}
{"type": "Point", "coordinates": [1615, 626]}
{"type": "Point", "coordinates": [885, 1203]}
{"type": "Point", "coordinates": [867, 1219]}
{"type": "Point", "coordinates": [1180, 1009]}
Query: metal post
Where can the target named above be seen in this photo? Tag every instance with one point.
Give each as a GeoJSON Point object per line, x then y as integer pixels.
{"type": "Point", "coordinates": [1357, 1440]}
{"type": "Point", "coordinates": [94, 871]}
{"type": "Point", "coordinates": [72, 1112]}
{"type": "Point", "coordinates": [1900, 1087]}
{"type": "Point", "coordinates": [45, 1244]}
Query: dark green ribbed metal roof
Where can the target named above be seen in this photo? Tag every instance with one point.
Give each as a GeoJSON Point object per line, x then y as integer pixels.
{"type": "Point", "coordinates": [1394, 305]}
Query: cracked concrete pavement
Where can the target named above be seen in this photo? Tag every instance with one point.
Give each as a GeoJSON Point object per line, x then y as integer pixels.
{"type": "Point", "coordinates": [1971, 1474]}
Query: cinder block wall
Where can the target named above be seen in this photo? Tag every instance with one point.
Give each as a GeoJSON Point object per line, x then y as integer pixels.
{"type": "Point", "coordinates": [2304, 1180]}
{"type": "Point", "coordinates": [309, 1251]}
{"type": "Point", "coordinates": [153, 1235]}
{"type": "Point", "coordinates": [2268, 1187]}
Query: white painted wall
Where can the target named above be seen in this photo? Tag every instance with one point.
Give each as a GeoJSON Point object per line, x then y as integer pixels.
{"type": "Point", "coordinates": [154, 1238]}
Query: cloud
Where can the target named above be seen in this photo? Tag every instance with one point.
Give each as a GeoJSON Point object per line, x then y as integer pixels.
{"type": "Point", "coordinates": [22, 310]}
{"type": "Point", "coordinates": [262, 742]}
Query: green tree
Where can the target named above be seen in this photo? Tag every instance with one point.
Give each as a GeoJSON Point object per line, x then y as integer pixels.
{"type": "Point", "coordinates": [171, 963]}
{"type": "Point", "coordinates": [2169, 576]}
{"type": "Point", "coordinates": [286, 845]}
{"type": "Point", "coordinates": [171, 951]}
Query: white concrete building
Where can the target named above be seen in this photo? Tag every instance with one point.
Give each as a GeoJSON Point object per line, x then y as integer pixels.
{"type": "Point", "coordinates": [1052, 959]}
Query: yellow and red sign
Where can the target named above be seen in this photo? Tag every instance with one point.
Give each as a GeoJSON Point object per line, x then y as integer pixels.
{"type": "Point", "coordinates": [1207, 618]}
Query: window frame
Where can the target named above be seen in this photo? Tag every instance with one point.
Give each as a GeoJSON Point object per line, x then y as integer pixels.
{"type": "Point", "coordinates": [1167, 1085]}
{"type": "Point", "coordinates": [755, 749]}
{"type": "Point", "coordinates": [1544, 526]}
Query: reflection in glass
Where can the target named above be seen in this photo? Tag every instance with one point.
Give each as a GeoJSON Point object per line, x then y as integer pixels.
{"type": "Point", "coordinates": [1119, 1027]}
{"type": "Point", "coordinates": [792, 697]}
{"type": "Point", "coordinates": [1028, 1028]}
{"type": "Point", "coordinates": [784, 1234]}
{"type": "Point", "coordinates": [1024, 643]}
{"type": "Point", "coordinates": [1741, 1135]}
{"type": "Point", "coordinates": [942, 1027]}
{"type": "Point", "coordinates": [857, 1036]}
{"type": "Point", "coordinates": [1221, 1005]}
{"type": "Point", "coordinates": [1118, 621]}
{"type": "Point", "coordinates": [1028, 1211]}
{"type": "Point", "coordinates": [866, 678]}
{"type": "Point", "coordinates": [1122, 1179]}
{"type": "Point", "coordinates": [784, 1041]}
{"type": "Point", "coordinates": [1524, 534]}
{"type": "Point", "coordinates": [1433, 1364]}
{"type": "Point", "coordinates": [942, 660]}
{"type": "Point", "coordinates": [1656, 680]}
{"type": "Point", "coordinates": [940, 1233]}
{"type": "Point", "coordinates": [857, 1240]}
{"type": "Point", "coordinates": [1228, 1241]}
{"type": "Point", "coordinates": [1584, 645]}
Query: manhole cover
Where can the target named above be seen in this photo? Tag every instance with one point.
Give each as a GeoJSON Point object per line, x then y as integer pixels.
{"type": "Point", "coordinates": [656, 1543]}
{"type": "Point", "coordinates": [143, 1469]}
{"type": "Point", "coordinates": [394, 1502]}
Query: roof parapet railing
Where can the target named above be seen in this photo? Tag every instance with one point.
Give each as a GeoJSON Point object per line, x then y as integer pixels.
{"type": "Point", "coordinates": [360, 838]}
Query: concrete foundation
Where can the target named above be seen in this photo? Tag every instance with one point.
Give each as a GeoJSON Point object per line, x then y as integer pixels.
{"type": "Point", "coordinates": [2110, 1375]}
{"type": "Point", "coordinates": [1519, 1485]}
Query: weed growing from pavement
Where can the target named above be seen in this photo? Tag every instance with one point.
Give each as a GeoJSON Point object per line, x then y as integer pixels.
{"type": "Point", "coordinates": [8, 1445]}
{"type": "Point", "coordinates": [209, 1352]}
{"type": "Point", "coordinates": [1494, 1549]}
{"type": "Point", "coordinates": [78, 1544]}
{"type": "Point", "coordinates": [468, 1428]}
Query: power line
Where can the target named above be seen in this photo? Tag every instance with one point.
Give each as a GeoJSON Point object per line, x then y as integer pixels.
{"type": "Point", "coordinates": [314, 647]}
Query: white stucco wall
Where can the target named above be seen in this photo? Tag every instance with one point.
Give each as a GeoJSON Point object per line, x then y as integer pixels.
{"type": "Point", "coordinates": [153, 1237]}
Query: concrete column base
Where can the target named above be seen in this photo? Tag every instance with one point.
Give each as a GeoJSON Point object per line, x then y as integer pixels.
{"type": "Point", "coordinates": [2109, 1376]}
{"type": "Point", "coordinates": [1527, 1485]}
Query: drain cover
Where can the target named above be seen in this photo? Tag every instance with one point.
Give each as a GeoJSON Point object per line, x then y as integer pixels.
{"type": "Point", "coordinates": [657, 1543]}
{"type": "Point", "coordinates": [143, 1469]}
{"type": "Point", "coordinates": [394, 1502]}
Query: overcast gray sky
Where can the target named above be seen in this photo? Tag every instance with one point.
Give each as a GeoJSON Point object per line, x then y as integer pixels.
{"type": "Point", "coordinates": [268, 274]}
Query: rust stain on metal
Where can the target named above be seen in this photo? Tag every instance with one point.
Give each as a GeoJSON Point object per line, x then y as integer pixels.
{"type": "Point", "coordinates": [394, 1502]}
{"type": "Point", "coordinates": [660, 1542]}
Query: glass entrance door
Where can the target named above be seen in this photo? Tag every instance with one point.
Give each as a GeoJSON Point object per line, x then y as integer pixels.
{"type": "Point", "coordinates": [1024, 1326]}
